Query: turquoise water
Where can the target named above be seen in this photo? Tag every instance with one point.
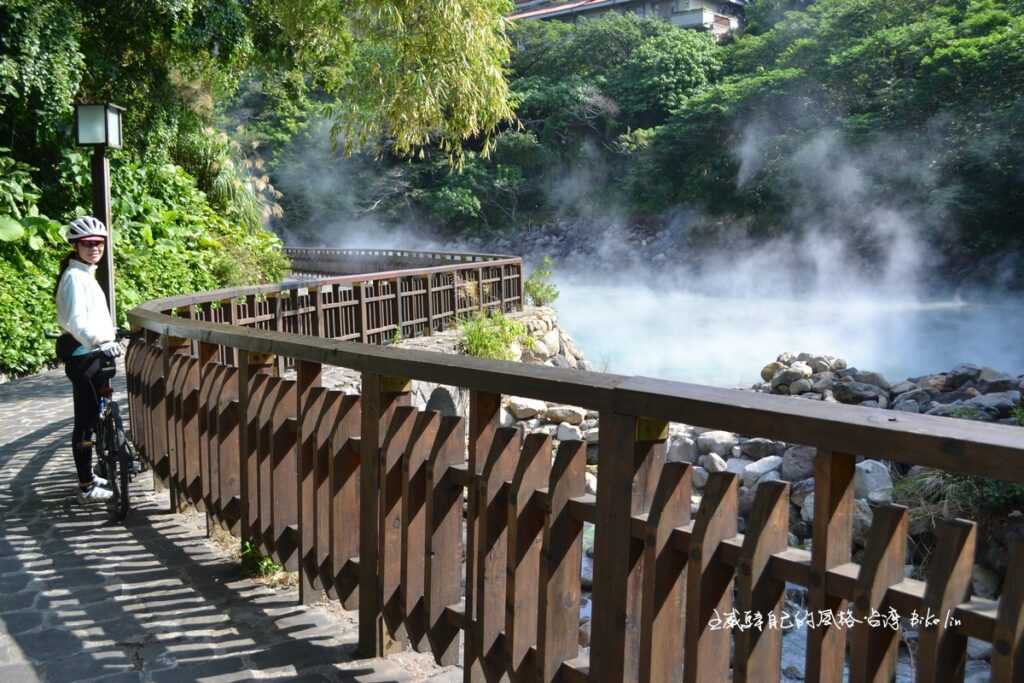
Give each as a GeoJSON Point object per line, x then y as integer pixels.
{"type": "Point", "coordinates": [725, 341]}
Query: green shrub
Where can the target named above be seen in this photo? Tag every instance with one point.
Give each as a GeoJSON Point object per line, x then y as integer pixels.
{"type": "Point", "coordinates": [492, 336]}
{"type": "Point", "coordinates": [1018, 413]}
{"type": "Point", "coordinates": [539, 287]}
{"type": "Point", "coordinates": [168, 240]}
{"type": "Point", "coordinates": [255, 564]}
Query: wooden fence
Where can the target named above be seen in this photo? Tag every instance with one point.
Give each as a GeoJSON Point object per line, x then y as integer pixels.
{"type": "Point", "coordinates": [364, 496]}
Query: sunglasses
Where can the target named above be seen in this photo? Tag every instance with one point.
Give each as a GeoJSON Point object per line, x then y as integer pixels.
{"type": "Point", "coordinates": [92, 243]}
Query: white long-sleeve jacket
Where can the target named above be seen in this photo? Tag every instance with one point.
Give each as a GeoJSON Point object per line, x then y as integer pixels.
{"type": "Point", "coordinates": [82, 308]}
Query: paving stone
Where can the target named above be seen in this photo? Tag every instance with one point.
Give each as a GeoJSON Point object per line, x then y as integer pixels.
{"type": "Point", "coordinates": [84, 600]}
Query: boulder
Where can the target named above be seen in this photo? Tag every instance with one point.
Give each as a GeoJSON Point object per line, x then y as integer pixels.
{"type": "Point", "coordinates": [745, 500]}
{"type": "Point", "coordinates": [803, 368]}
{"type": "Point", "coordinates": [996, 405]}
{"type": "Point", "coordinates": [717, 441]}
{"type": "Point", "coordinates": [570, 414]}
{"type": "Point", "coordinates": [800, 490]}
{"type": "Point", "coordinates": [768, 371]}
{"type": "Point", "coordinates": [737, 465]}
{"type": "Point", "coordinates": [568, 432]}
{"type": "Point", "coordinates": [960, 410]}
{"type": "Point", "coordinates": [801, 386]}
{"type": "Point", "coordinates": [848, 390]}
{"type": "Point", "coordinates": [822, 381]}
{"type": "Point", "coordinates": [807, 509]}
{"type": "Point", "coordinates": [768, 476]}
{"type": "Point", "coordinates": [753, 472]}
{"type": "Point", "coordinates": [538, 350]}
{"type": "Point", "coordinates": [978, 649]}
{"type": "Point", "coordinates": [862, 518]}
{"type": "Point", "coordinates": [798, 463]}
{"type": "Point", "coordinates": [713, 462]}
{"type": "Point", "coordinates": [785, 377]}
{"type": "Point", "coordinates": [874, 379]}
{"type": "Point", "coordinates": [757, 448]}
{"type": "Point", "coordinates": [525, 408]}
{"type": "Point", "coordinates": [903, 387]}
{"type": "Point", "coordinates": [872, 481]}
{"type": "Point", "coordinates": [681, 449]}
{"type": "Point", "coordinates": [907, 406]}
{"type": "Point", "coordinates": [700, 477]}
{"type": "Point", "coordinates": [785, 358]}
{"type": "Point", "coordinates": [583, 637]}
{"type": "Point", "coordinates": [984, 582]}
{"type": "Point", "coordinates": [961, 375]}
{"type": "Point", "coordinates": [590, 483]}
{"type": "Point", "coordinates": [550, 340]}
{"type": "Point", "coordinates": [592, 435]}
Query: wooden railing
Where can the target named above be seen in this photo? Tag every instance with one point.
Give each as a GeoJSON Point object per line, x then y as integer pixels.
{"type": "Point", "coordinates": [363, 496]}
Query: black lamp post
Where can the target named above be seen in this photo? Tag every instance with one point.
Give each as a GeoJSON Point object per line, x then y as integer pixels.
{"type": "Point", "coordinates": [99, 126]}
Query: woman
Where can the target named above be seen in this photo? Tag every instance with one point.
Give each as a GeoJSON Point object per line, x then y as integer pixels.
{"type": "Point", "coordinates": [83, 315]}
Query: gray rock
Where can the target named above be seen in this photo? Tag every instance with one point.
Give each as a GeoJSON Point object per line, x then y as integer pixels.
{"type": "Point", "coordinates": [862, 518]}
{"type": "Point", "coordinates": [757, 448]}
{"type": "Point", "coordinates": [962, 411]}
{"type": "Point", "coordinates": [978, 649]}
{"type": "Point", "coordinates": [785, 377]}
{"type": "Point", "coordinates": [802, 367]}
{"type": "Point", "coordinates": [807, 509]}
{"type": "Point", "coordinates": [984, 582]}
{"type": "Point", "coordinates": [583, 638]}
{"type": "Point", "coordinates": [798, 463]}
{"type": "Point", "coordinates": [768, 371]}
{"type": "Point", "coordinates": [907, 406]}
{"type": "Point", "coordinates": [872, 481]}
{"type": "Point", "coordinates": [568, 432]}
{"type": "Point", "coordinates": [800, 490]}
{"type": "Point", "coordinates": [753, 472]}
{"type": "Point", "coordinates": [997, 405]}
{"type": "Point", "coordinates": [903, 387]}
{"type": "Point", "coordinates": [786, 358]}
{"type": "Point", "coordinates": [977, 671]}
{"type": "Point", "coordinates": [717, 441]}
{"type": "Point", "coordinates": [713, 462]}
{"type": "Point", "coordinates": [768, 476]}
{"type": "Point", "coordinates": [849, 391]}
{"type": "Point", "coordinates": [990, 381]}
{"type": "Point", "coordinates": [737, 465]}
{"type": "Point", "coordinates": [590, 483]}
{"type": "Point", "coordinates": [801, 386]}
{"type": "Point", "coordinates": [570, 414]}
{"type": "Point", "coordinates": [681, 449]}
{"type": "Point", "coordinates": [592, 435]}
{"type": "Point", "coordinates": [961, 375]}
{"type": "Point", "coordinates": [700, 477]}
{"type": "Point", "coordinates": [745, 500]}
{"type": "Point", "coordinates": [822, 381]}
{"type": "Point", "coordinates": [874, 379]}
{"type": "Point", "coordinates": [525, 408]}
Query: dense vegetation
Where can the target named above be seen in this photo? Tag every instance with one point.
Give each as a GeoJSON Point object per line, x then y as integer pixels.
{"type": "Point", "coordinates": [855, 117]}
{"type": "Point", "coordinates": [185, 212]}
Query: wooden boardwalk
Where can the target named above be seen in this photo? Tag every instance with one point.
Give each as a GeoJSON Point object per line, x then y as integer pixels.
{"type": "Point", "coordinates": [153, 600]}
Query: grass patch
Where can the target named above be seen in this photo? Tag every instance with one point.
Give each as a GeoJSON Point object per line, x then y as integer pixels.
{"type": "Point", "coordinates": [493, 336]}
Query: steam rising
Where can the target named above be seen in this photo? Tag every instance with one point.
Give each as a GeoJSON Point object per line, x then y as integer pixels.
{"type": "Point", "coordinates": [852, 276]}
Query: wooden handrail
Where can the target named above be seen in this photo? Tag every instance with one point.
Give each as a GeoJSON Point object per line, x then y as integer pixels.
{"type": "Point", "coordinates": [363, 495]}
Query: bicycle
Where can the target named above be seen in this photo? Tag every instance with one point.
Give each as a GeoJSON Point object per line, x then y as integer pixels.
{"type": "Point", "coordinates": [116, 457]}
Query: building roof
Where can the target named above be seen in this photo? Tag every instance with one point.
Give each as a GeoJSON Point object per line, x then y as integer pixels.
{"type": "Point", "coordinates": [582, 6]}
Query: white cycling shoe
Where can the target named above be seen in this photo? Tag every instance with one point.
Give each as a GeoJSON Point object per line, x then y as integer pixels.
{"type": "Point", "coordinates": [94, 494]}
{"type": "Point", "coordinates": [97, 480]}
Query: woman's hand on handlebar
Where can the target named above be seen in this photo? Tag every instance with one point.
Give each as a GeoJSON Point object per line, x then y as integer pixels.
{"type": "Point", "coordinates": [110, 349]}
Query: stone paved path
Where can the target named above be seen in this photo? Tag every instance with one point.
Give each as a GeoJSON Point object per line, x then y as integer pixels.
{"type": "Point", "coordinates": [83, 600]}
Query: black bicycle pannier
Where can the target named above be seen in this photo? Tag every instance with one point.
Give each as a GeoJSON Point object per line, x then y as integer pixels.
{"type": "Point", "coordinates": [66, 345]}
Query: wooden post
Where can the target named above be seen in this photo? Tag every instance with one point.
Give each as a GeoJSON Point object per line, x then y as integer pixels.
{"type": "Point", "coordinates": [398, 304]}
{"type": "Point", "coordinates": [345, 507]}
{"type": "Point", "coordinates": [631, 454]}
{"type": "Point", "coordinates": [525, 533]}
{"type": "Point", "coordinates": [942, 654]}
{"type": "Point", "coordinates": [360, 290]}
{"type": "Point", "coordinates": [709, 582]}
{"type": "Point", "coordinates": [758, 650]}
{"type": "Point", "coordinates": [307, 410]}
{"type": "Point", "coordinates": [381, 396]}
{"type": "Point", "coordinates": [205, 424]}
{"type": "Point", "coordinates": [250, 367]}
{"type": "Point", "coordinates": [558, 622]}
{"type": "Point", "coordinates": [414, 525]}
{"type": "Point", "coordinates": [1008, 640]}
{"type": "Point", "coordinates": [318, 311]}
{"type": "Point", "coordinates": [227, 306]}
{"type": "Point", "coordinates": [664, 577]}
{"type": "Point", "coordinates": [444, 537]}
{"type": "Point", "coordinates": [484, 655]}
{"type": "Point", "coordinates": [430, 304]}
{"type": "Point", "coordinates": [872, 649]}
{"type": "Point", "coordinates": [831, 545]}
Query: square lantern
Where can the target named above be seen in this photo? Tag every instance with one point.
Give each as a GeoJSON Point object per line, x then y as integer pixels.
{"type": "Point", "coordinates": [98, 124]}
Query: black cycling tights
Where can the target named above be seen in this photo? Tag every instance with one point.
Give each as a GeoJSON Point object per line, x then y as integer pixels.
{"type": "Point", "coordinates": [84, 390]}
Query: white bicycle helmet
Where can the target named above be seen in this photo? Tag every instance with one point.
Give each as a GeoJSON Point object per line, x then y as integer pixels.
{"type": "Point", "coordinates": [86, 226]}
